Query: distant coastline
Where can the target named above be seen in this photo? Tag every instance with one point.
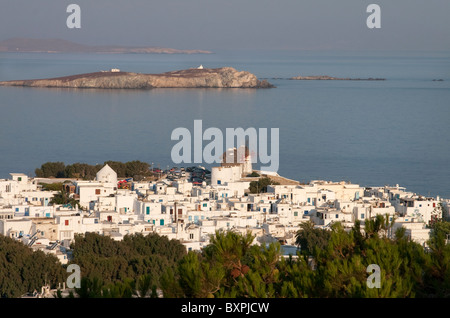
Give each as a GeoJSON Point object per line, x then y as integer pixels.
{"type": "Point", "coordinates": [27, 45]}
{"type": "Point", "coordinates": [331, 78]}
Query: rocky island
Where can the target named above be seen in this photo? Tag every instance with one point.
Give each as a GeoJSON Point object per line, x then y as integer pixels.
{"type": "Point", "coordinates": [225, 77]}
{"type": "Point", "coordinates": [326, 77]}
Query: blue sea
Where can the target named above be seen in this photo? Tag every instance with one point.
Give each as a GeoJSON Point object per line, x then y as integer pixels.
{"type": "Point", "coordinates": [372, 133]}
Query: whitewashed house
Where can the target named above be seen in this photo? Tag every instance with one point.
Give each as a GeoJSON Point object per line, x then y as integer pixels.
{"type": "Point", "coordinates": [418, 207]}
{"type": "Point", "coordinates": [415, 230]}
{"type": "Point", "coordinates": [105, 184]}
{"type": "Point", "coordinates": [16, 228]}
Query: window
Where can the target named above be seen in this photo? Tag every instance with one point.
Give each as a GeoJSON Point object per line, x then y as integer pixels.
{"type": "Point", "coordinates": [362, 215]}
{"type": "Point", "coordinates": [191, 236]}
{"type": "Point", "coordinates": [147, 210]}
{"type": "Point", "coordinates": [66, 222]}
{"type": "Point", "coordinates": [219, 182]}
{"type": "Point", "coordinates": [295, 213]}
{"type": "Point", "coordinates": [337, 216]}
{"type": "Point", "coordinates": [205, 205]}
{"type": "Point", "coordinates": [97, 191]}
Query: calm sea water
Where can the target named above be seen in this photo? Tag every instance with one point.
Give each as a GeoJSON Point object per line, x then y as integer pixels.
{"type": "Point", "coordinates": [368, 132]}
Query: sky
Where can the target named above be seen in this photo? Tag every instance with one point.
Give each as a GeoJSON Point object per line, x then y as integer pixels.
{"type": "Point", "coordinates": [235, 24]}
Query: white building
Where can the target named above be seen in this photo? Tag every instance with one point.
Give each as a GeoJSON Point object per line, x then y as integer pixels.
{"type": "Point", "coordinates": [415, 230]}
{"type": "Point", "coordinates": [104, 185]}
{"type": "Point", "coordinates": [16, 228]}
{"type": "Point", "coordinates": [419, 207]}
{"type": "Point", "coordinates": [191, 213]}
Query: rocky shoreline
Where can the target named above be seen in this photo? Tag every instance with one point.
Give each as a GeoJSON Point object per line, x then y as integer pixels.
{"type": "Point", "coordinates": [225, 77]}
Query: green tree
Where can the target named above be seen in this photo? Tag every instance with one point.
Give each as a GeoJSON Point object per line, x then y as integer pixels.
{"type": "Point", "coordinates": [82, 170]}
{"type": "Point", "coordinates": [23, 270]}
{"type": "Point", "coordinates": [135, 258]}
{"type": "Point", "coordinates": [199, 279]}
{"type": "Point", "coordinates": [144, 286]}
{"type": "Point", "coordinates": [440, 228]}
{"type": "Point", "coordinates": [62, 197]}
{"type": "Point", "coordinates": [436, 281]}
{"type": "Point", "coordinates": [51, 169]}
{"type": "Point", "coordinates": [230, 266]}
{"type": "Point", "coordinates": [260, 186]}
{"type": "Point", "coordinates": [309, 237]}
{"type": "Point", "coordinates": [137, 169]}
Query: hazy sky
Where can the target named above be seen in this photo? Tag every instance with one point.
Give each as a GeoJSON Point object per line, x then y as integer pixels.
{"type": "Point", "coordinates": [235, 24]}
